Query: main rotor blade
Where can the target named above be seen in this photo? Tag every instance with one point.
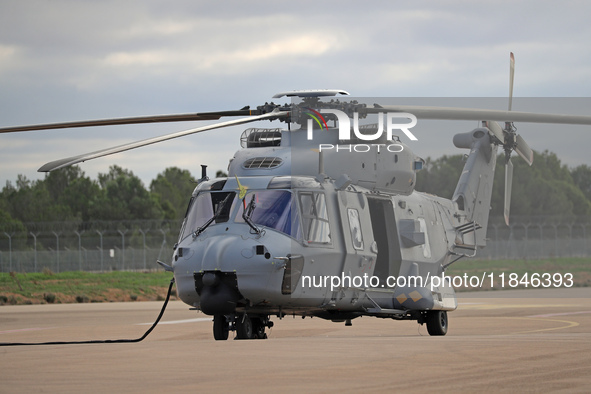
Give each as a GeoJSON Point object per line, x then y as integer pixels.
{"type": "Point", "coordinates": [508, 185]}
{"type": "Point", "coordinates": [57, 164]}
{"type": "Point", "coordinates": [453, 113]}
{"type": "Point", "coordinates": [133, 120]}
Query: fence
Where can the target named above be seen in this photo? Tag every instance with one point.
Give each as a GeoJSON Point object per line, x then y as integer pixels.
{"type": "Point", "coordinates": [136, 245]}
{"type": "Point", "coordinates": [96, 246]}
{"type": "Point", "coordinates": [537, 237]}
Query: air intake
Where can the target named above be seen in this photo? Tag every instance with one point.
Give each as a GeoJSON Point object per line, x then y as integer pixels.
{"type": "Point", "coordinates": [262, 162]}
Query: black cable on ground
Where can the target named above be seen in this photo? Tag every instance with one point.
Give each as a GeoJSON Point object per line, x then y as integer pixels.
{"type": "Point", "coordinates": [102, 341]}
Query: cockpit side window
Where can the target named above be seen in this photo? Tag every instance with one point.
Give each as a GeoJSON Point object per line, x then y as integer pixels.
{"type": "Point", "coordinates": [315, 217]}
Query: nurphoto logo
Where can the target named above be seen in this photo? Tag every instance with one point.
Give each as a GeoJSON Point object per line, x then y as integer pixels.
{"type": "Point", "coordinates": [345, 129]}
{"type": "Point", "coordinates": [345, 124]}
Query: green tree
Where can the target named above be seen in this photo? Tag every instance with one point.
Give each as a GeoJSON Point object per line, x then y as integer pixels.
{"type": "Point", "coordinates": [14, 228]}
{"type": "Point", "coordinates": [582, 177]}
{"type": "Point", "coordinates": [31, 202]}
{"type": "Point", "coordinates": [69, 187]}
{"type": "Point", "coordinates": [58, 181]}
{"type": "Point", "coordinates": [124, 197]}
{"type": "Point", "coordinates": [440, 176]}
{"type": "Point", "coordinates": [545, 188]}
{"type": "Point", "coordinates": [9, 224]}
{"type": "Point", "coordinates": [173, 189]}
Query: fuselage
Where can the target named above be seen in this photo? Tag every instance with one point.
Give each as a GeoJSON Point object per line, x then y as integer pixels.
{"type": "Point", "coordinates": [317, 248]}
{"type": "Point", "coordinates": [293, 231]}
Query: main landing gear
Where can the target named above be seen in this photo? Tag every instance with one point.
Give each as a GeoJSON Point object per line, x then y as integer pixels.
{"type": "Point", "coordinates": [436, 322]}
{"type": "Point", "coordinates": [246, 326]}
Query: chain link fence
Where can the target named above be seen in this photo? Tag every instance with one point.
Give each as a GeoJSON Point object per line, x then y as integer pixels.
{"type": "Point", "coordinates": [136, 245]}
{"type": "Point", "coordinates": [92, 246]}
{"type": "Point", "coordinates": [537, 237]}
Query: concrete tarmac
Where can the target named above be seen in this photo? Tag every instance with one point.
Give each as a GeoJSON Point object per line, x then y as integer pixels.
{"type": "Point", "coordinates": [518, 341]}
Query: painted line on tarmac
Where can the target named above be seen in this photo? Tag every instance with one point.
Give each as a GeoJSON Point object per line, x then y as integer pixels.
{"type": "Point", "coordinates": [25, 330]}
{"type": "Point", "coordinates": [199, 319]}
{"type": "Point", "coordinates": [490, 306]}
{"type": "Point", "coordinates": [562, 314]}
{"type": "Point", "coordinates": [568, 324]}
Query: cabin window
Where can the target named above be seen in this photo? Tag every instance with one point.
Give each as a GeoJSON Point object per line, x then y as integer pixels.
{"type": "Point", "coordinates": [314, 217]}
{"type": "Point", "coordinates": [355, 228]}
{"type": "Point", "coordinates": [423, 228]}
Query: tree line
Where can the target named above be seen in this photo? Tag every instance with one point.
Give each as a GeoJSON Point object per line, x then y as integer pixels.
{"type": "Point", "coordinates": [68, 195]}
{"type": "Point", "coordinates": [548, 187]}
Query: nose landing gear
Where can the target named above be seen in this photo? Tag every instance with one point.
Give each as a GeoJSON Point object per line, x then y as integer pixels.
{"type": "Point", "coordinates": [246, 326]}
{"type": "Point", "coordinates": [221, 328]}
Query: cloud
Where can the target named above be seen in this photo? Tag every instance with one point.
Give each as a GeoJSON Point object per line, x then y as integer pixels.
{"type": "Point", "coordinates": [233, 61]}
{"type": "Point", "coordinates": [68, 60]}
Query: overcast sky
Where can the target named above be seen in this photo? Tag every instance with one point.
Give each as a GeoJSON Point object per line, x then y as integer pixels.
{"type": "Point", "coordinates": [73, 60]}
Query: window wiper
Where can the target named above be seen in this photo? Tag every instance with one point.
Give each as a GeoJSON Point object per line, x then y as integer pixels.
{"type": "Point", "coordinates": [213, 218]}
{"type": "Point", "coordinates": [246, 214]}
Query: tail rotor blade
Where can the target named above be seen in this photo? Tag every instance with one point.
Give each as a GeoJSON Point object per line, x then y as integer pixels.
{"type": "Point", "coordinates": [521, 147]}
{"type": "Point", "coordinates": [508, 184]}
{"type": "Point", "coordinates": [523, 150]}
{"type": "Point", "coordinates": [511, 76]}
{"type": "Point", "coordinates": [496, 130]}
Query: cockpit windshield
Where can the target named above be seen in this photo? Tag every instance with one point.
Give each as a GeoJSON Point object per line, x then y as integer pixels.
{"type": "Point", "coordinates": [304, 218]}
{"type": "Point", "coordinates": [274, 209]}
{"type": "Point", "coordinates": [204, 207]}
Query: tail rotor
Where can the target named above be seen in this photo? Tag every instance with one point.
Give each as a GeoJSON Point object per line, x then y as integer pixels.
{"type": "Point", "coordinates": [511, 141]}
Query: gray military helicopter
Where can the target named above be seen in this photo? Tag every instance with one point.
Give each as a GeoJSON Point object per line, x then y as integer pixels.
{"type": "Point", "coordinates": [320, 221]}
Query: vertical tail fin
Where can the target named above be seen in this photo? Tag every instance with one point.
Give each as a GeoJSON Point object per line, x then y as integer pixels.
{"type": "Point", "coordinates": [474, 190]}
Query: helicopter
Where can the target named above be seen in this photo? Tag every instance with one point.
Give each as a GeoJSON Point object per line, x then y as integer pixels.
{"type": "Point", "coordinates": [324, 221]}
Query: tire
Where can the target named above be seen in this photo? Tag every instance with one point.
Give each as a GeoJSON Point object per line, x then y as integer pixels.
{"type": "Point", "coordinates": [244, 327]}
{"type": "Point", "coordinates": [436, 322]}
{"type": "Point", "coordinates": [258, 328]}
{"type": "Point", "coordinates": [220, 328]}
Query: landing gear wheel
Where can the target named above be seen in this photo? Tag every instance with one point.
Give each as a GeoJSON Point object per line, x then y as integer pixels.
{"type": "Point", "coordinates": [220, 328]}
{"type": "Point", "coordinates": [436, 322]}
{"type": "Point", "coordinates": [244, 327]}
{"type": "Point", "coordinates": [258, 328]}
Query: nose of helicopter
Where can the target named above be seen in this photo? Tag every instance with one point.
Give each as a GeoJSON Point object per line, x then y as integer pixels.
{"type": "Point", "coordinates": [220, 270]}
{"type": "Point", "coordinates": [219, 293]}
